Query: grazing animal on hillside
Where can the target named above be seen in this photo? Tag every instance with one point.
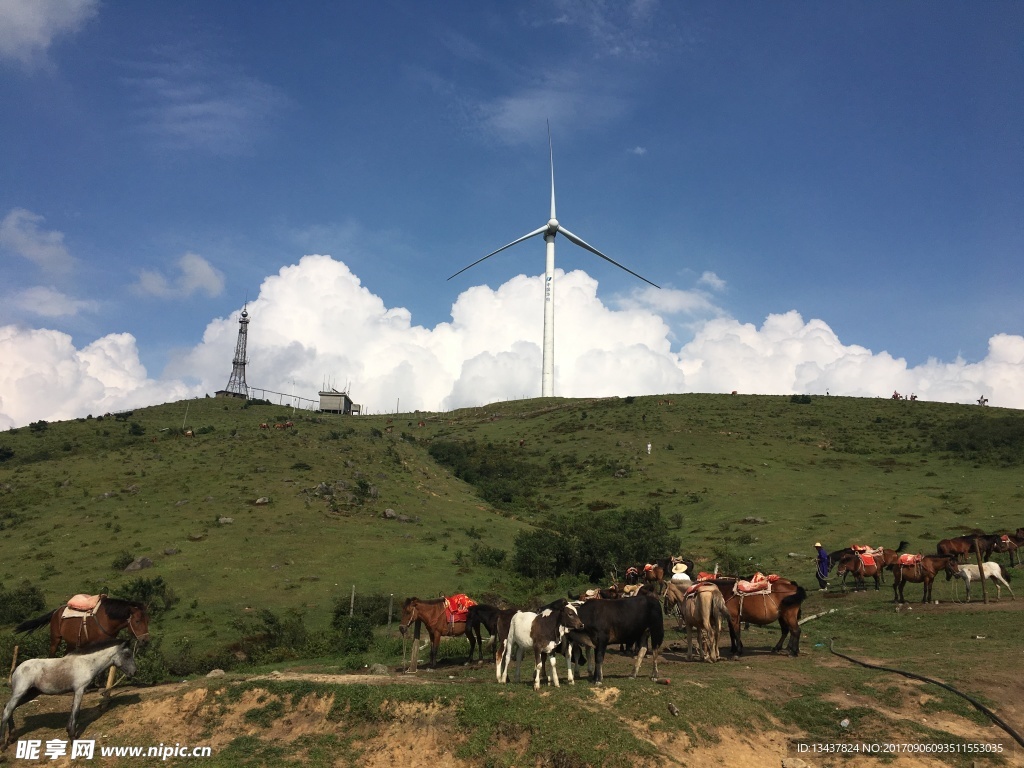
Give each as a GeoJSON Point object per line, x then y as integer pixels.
{"type": "Point", "coordinates": [71, 673]}
{"type": "Point", "coordinates": [861, 566]}
{"type": "Point", "coordinates": [84, 629]}
{"type": "Point", "coordinates": [887, 557]}
{"type": "Point", "coordinates": [962, 547]}
{"type": "Point", "coordinates": [782, 604]}
{"type": "Point", "coordinates": [994, 571]}
{"type": "Point", "coordinates": [922, 570]}
{"type": "Point", "coordinates": [544, 633]}
{"type": "Point", "coordinates": [630, 621]}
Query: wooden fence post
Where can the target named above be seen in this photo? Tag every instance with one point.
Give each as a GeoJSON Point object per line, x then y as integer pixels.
{"type": "Point", "coordinates": [981, 570]}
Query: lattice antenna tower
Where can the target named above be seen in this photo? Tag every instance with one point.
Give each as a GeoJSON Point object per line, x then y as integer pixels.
{"type": "Point", "coordinates": [236, 384]}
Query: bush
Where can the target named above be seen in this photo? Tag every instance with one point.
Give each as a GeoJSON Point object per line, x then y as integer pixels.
{"type": "Point", "coordinates": [593, 544]}
{"type": "Point", "coordinates": [123, 560]}
{"type": "Point", "coordinates": [373, 607]}
{"type": "Point", "coordinates": [154, 593]}
{"type": "Point", "coordinates": [23, 602]}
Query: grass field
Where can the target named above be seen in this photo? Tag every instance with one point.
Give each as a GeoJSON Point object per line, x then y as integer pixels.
{"type": "Point", "coordinates": [752, 479]}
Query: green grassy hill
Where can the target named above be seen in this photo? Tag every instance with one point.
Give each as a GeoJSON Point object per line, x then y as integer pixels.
{"type": "Point", "coordinates": [750, 478]}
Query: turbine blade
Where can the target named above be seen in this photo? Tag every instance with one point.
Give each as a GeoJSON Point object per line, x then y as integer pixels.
{"type": "Point", "coordinates": [582, 244]}
{"type": "Point", "coordinates": [551, 162]}
{"type": "Point", "coordinates": [540, 231]}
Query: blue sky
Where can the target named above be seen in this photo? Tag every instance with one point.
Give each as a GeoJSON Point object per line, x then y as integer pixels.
{"type": "Point", "coordinates": [830, 195]}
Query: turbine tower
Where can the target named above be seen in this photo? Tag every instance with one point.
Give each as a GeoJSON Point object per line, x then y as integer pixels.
{"type": "Point", "coordinates": [549, 230]}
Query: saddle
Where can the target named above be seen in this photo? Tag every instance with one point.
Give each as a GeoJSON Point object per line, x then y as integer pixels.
{"type": "Point", "coordinates": [759, 584]}
{"type": "Point", "coordinates": [457, 608]}
{"type": "Point", "coordinates": [705, 576]}
{"type": "Point", "coordinates": [81, 606]}
{"type": "Point", "coordinates": [693, 591]}
{"type": "Point", "coordinates": [909, 559]}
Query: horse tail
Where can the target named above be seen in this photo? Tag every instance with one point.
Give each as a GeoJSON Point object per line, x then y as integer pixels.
{"type": "Point", "coordinates": [719, 610]}
{"type": "Point", "coordinates": [1005, 573]}
{"type": "Point", "coordinates": [796, 598]}
{"type": "Point", "coordinates": [903, 545]}
{"type": "Point", "coordinates": [34, 624]}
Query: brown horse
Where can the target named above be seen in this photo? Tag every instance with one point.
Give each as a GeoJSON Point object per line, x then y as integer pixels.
{"type": "Point", "coordinates": [83, 632]}
{"type": "Point", "coordinates": [962, 547]}
{"type": "Point", "coordinates": [782, 605]}
{"type": "Point", "coordinates": [703, 608]}
{"type": "Point", "coordinates": [854, 563]}
{"type": "Point", "coordinates": [924, 572]}
{"type": "Point", "coordinates": [886, 558]}
{"type": "Point", "coordinates": [432, 615]}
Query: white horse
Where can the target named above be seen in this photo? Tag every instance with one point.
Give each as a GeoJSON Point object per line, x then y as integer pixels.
{"type": "Point", "coordinates": [993, 571]}
{"type": "Point", "coordinates": [64, 675]}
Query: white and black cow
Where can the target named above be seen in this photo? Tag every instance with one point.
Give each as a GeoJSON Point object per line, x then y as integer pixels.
{"type": "Point", "coordinates": [544, 633]}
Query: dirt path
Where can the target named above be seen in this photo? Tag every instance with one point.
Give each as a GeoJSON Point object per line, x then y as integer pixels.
{"type": "Point", "coordinates": [420, 735]}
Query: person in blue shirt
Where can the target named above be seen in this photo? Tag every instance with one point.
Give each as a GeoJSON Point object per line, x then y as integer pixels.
{"type": "Point", "coordinates": [822, 572]}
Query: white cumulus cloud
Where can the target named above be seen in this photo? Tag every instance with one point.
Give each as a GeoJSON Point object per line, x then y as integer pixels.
{"type": "Point", "coordinates": [314, 322]}
{"type": "Point", "coordinates": [45, 377]}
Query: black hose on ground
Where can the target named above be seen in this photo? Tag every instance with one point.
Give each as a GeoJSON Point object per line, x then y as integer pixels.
{"type": "Point", "coordinates": [977, 704]}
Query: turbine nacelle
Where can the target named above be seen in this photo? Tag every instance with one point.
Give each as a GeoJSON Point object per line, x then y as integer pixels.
{"type": "Point", "coordinates": [549, 231]}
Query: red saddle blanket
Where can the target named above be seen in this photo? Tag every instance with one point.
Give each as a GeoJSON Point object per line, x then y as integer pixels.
{"type": "Point", "coordinates": [908, 559]}
{"type": "Point", "coordinates": [705, 576]}
{"type": "Point", "coordinates": [693, 590]}
{"type": "Point", "coordinates": [866, 559]}
{"type": "Point", "coordinates": [457, 608]}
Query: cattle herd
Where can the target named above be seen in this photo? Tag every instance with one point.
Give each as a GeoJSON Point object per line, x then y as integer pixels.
{"type": "Point", "coordinates": [581, 628]}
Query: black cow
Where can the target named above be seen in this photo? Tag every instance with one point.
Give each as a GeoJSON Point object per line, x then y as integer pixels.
{"type": "Point", "coordinates": [628, 621]}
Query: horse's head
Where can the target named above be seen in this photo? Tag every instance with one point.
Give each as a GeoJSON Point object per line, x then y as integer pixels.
{"type": "Point", "coordinates": [846, 563]}
{"type": "Point", "coordinates": [409, 613]}
{"type": "Point", "coordinates": [138, 623]}
{"type": "Point", "coordinates": [952, 569]}
{"type": "Point", "coordinates": [125, 660]}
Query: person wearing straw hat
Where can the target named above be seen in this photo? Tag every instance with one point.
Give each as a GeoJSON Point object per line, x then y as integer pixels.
{"type": "Point", "coordinates": [822, 572]}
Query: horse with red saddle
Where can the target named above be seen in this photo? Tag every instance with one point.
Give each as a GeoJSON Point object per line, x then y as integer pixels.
{"type": "Point", "coordinates": [921, 569]}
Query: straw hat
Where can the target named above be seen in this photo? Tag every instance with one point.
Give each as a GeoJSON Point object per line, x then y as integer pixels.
{"type": "Point", "coordinates": [817, 543]}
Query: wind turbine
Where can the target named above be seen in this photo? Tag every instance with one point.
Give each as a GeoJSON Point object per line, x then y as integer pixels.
{"type": "Point", "coordinates": [549, 230]}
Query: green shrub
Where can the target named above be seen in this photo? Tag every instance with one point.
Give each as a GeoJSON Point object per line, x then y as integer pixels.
{"type": "Point", "coordinates": [123, 560]}
{"type": "Point", "coordinates": [154, 593]}
{"type": "Point", "coordinates": [23, 602]}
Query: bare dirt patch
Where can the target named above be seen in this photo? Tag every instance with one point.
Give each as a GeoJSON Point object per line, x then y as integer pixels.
{"type": "Point", "coordinates": [426, 735]}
